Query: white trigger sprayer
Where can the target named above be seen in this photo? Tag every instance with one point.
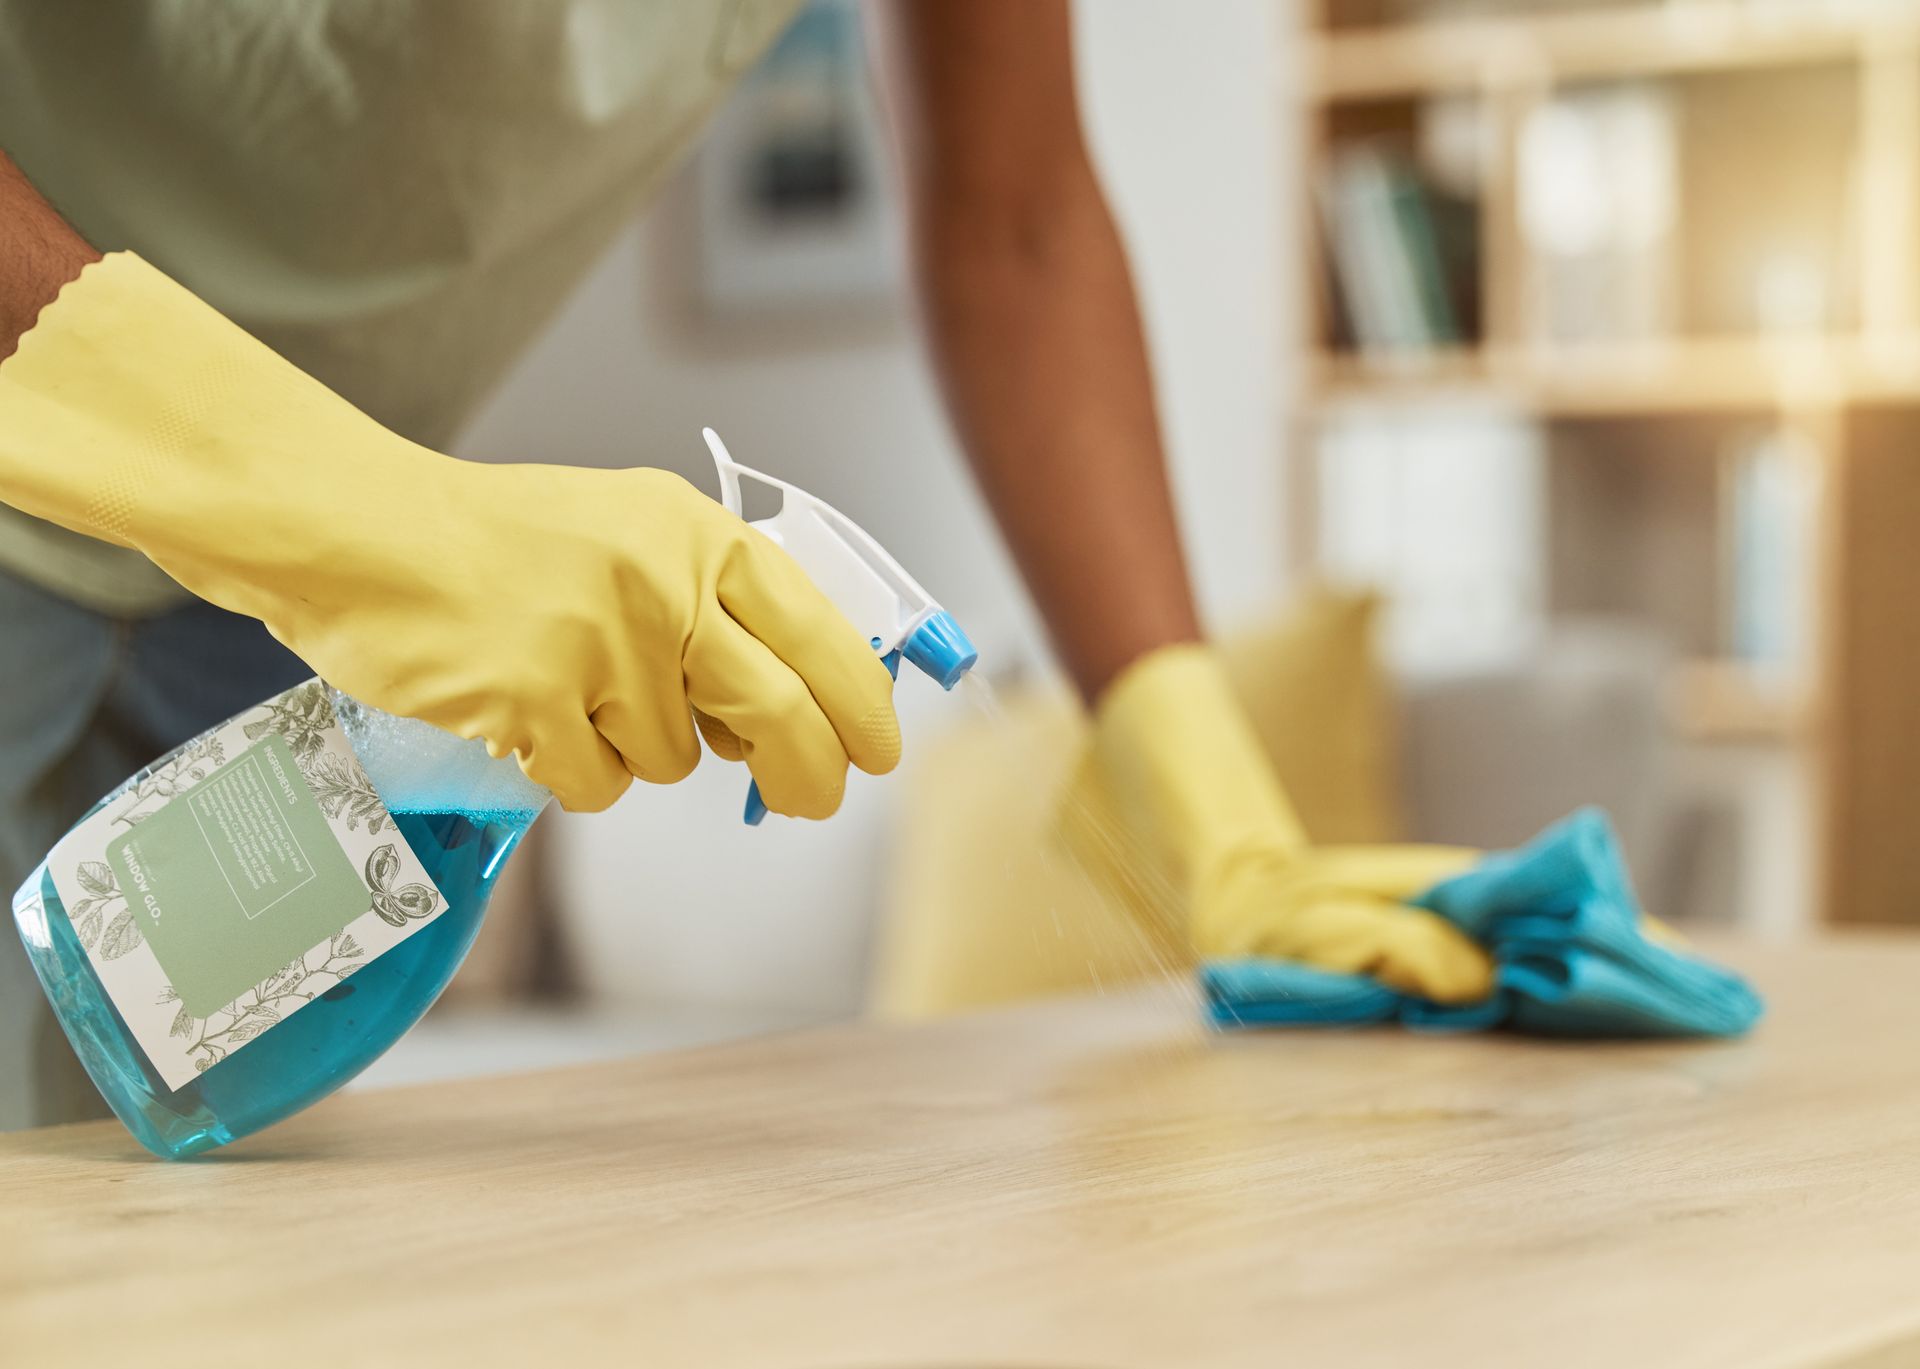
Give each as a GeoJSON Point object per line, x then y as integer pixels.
{"type": "Point", "coordinates": [885, 603]}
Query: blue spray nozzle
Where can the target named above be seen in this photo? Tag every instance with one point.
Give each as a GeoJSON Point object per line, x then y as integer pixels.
{"type": "Point", "coordinates": [939, 647]}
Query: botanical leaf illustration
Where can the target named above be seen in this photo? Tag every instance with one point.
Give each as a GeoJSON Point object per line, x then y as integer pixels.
{"type": "Point", "coordinates": [257, 1020]}
{"type": "Point", "coordinates": [122, 935]}
{"type": "Point", "coordinates": [96, 877]}
{"type": "Point", "coordinates": [343, 790]}
{"type": "Point", "coordinates": [254, 1012]}
{"type": "Point", "coordinates": [396, 905]}
{"type": "Point", "coordinates": [279, 977]}
{"type": "Point", "coordinates": [182, 1023]}
{"type": "Point", "coordinates": [186, 768]}
{"type": "Point", "coordinates": [168, 995]}
{"type": "Point", "coordinates": [301, 715]}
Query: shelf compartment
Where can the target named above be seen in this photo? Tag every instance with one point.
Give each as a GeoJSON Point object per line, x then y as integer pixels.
{"type": "Point", "coordinates": [1680, 376]}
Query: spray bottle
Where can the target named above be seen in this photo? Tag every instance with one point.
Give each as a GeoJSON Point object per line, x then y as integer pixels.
{"type": "Point", "coordinates": [879, 598]}
{"type": "Point", "coordinates": [246, 924]}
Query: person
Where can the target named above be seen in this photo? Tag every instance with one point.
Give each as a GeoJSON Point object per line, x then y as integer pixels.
{"type": "Point", "coordinates": [258, 266]}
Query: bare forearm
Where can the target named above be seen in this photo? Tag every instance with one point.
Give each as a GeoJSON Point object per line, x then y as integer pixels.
{"type": "Point", "coordinates": [1037, 335]}
{"type": "Point", "coordinates": [1033, 323]}
{"type": "Point", "coordinates": [39, 253]}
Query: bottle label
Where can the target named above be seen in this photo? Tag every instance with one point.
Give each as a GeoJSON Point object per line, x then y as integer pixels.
{"type": "Point", "coordinates": [230, 886]}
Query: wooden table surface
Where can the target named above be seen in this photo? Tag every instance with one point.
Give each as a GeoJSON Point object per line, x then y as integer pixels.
{"type": "Point", "coordinates": [1075, 1185]}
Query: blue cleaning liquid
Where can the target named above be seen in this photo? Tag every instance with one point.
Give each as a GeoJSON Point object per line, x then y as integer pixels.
{"type": "Point", "coordinates": [310, 1053]}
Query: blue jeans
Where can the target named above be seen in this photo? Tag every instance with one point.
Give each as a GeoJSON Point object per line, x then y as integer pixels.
{"type": "Point", "coordinates": [86, 700]}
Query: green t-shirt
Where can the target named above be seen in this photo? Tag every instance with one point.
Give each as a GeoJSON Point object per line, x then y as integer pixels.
{"type": "Point", "coordinates": [393, 194]}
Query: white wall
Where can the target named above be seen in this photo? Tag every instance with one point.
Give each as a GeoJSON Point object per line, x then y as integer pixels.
{"type": "Point", "coordinates": [672, 898]}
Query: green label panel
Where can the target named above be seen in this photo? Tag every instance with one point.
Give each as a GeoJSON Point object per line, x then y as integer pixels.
{"type": "Point", "coordinates": [237, 877]}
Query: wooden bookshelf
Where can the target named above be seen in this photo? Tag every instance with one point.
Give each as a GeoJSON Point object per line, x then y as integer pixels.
{"type": "Point", "coordinates": [1676, 376]}
{"type": "Point", "coordinates": [1525, 51]}
{"type": "Point", "coordinates": [1793, 119]}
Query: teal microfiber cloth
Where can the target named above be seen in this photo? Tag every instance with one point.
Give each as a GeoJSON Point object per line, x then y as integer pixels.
{"type": "Point", "coordinates": [1561, 922]}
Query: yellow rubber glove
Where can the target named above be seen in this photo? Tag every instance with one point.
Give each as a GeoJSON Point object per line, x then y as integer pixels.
{"type": "Point", "coordinates": [1177, 811]}
{"type": "Point", "coordinates": [573, 617]}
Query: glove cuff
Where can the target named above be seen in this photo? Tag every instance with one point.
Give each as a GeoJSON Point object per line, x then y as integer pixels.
{"type": "Point", "coordinates": [1175, 790]}
{"type": "Point", "coordinates": [136, 413]}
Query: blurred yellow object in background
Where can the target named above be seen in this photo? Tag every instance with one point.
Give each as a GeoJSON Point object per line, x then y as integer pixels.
{"type": "Point", "coordinates": [988, 906]}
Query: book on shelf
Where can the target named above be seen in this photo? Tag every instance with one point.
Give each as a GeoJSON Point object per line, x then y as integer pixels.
{"type": "Point", "coordinates": [1443, 510]}
{"type": "Point", "coordinates": [1402, 255]}
{"type": "Point", "coordinates": [1598, 200]}
{"type": "Point", "coordinates": [1770, 489]}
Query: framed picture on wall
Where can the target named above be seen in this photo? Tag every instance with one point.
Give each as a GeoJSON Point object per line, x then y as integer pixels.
{"type": "Point", "coordinates": [795, 216]}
